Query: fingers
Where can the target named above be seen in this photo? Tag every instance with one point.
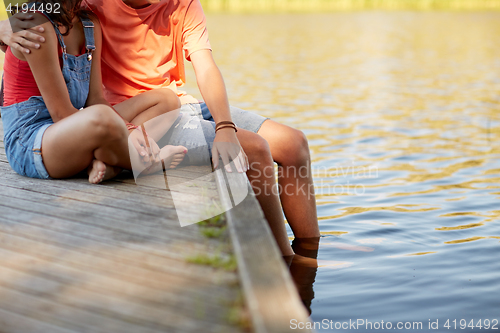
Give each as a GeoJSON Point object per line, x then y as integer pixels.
{"type": "Point", "coordinates": [145, 144]}
{"type": "Point", "coordinates": [23, 16]}
{"type": "Point", "coordinates": [243, 160]}
{"type": "Point", "coordinates": [27, 25]}
{"type": "Point", "coordinates": [24, 44]}
{"type": "Point", "coordinates": [215, 156]}
{"type": "Point", "coordinates": [220, 149]}
{"type": "Point", "coordinates": [140, 147]}
{"type": "Point", "coordinates": [155, 150]}
{"type": "Point", "coordinates": [247, 164]}
{"type": "Point", "coordinates": [19, 48]}
{"type": "Point", "coordinates": [25, 35]}
{"type": "Point", "coordinates": [230, 152]}
{"type": "Point", "coordinates": [225, 160]}
{"type": "Point", "coordinates": [235, 156]}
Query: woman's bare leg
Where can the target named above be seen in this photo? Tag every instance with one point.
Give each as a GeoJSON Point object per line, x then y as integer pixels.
{"type": "Point", "coordinates": [289, 148]}
{"type": "Point", "coordinates": [97, 132]}
{"type": "Point", "coordinates": [149, 105]}
{"type": "Point", "coordinates": [154, 110]}
{"type": "Point", "coordinates": [262, 178]}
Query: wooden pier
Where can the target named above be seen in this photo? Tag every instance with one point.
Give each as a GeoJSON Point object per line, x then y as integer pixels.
{"type": "Point", "coordinates": [76, 257]}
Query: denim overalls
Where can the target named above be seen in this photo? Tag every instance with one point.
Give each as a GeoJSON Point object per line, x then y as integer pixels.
{"type": "Point", "coordinates": [25, 123]}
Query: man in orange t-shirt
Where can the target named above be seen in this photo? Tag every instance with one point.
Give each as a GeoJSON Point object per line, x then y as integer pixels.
{"type": "Point", "coordinates": [145, 43]}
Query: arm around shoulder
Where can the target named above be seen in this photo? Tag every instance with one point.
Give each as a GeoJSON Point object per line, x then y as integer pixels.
{"type": "Point", "coordinates": [21, 32]}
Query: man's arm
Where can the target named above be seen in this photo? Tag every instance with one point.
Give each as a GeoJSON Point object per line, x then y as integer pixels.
{"type": "Point", "coordinates": [26, 36]}
{"type": "Point", "coordinates": [213, 90]}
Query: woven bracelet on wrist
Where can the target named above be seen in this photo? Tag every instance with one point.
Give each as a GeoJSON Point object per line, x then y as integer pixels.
{"type": "Point", "coordinates": [131, 126]}
{"type": "Point", "coordinates": [220, 123]}
{"type": "Point", "coordinates": [226, 126]}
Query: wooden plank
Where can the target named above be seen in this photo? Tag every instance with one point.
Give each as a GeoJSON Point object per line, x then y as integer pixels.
{"type": "Point", "coordinates": [71, 318]}
{"type": "Point", "coordinates": [151, 227]}
{"type": "Point", "coordinates": [44, 278]}
{"type": "Point", "coordinates": [154, 258]}
{"type": "Point", "coordinates": [270, 293]}
{"type": "Point", "coordinates": [111, 298]}
{"type": "Point", "coordinates": [14, 323]}
{"type": "Point", "coordinates": [76, 257]}
{"type": "Point", "coordinates": [131, 197]}
{"type": "Point", "coordinates": [163, 208]}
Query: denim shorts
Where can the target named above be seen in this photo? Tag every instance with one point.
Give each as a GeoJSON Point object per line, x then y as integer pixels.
{"type": "Point", "coordinates": [195, 130]}
{"type": "Point", "coordinates": [243, 119]}
{"type": "Point", "coordinates": [25, 124]}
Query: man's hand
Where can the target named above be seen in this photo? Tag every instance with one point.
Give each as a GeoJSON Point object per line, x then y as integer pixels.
{"type": "Point", "coordinates": [226, 145]}
{"type": "Point", "coordinates": [20, 33]}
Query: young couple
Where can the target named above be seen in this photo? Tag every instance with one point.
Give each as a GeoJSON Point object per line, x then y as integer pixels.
{"type": "Point", "coordinates": [58, 121]}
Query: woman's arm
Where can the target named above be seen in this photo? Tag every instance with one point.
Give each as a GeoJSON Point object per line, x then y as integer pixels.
{"type": "Point", "coordinates": [96, 94]}
{"type": "Point", "coordinates": [45, 66]}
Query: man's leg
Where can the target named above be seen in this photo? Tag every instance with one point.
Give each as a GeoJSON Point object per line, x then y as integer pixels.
{"type": "Point", "coordinates": [290, 150]}
{"type": "Point", "coordinates": [197, 135]}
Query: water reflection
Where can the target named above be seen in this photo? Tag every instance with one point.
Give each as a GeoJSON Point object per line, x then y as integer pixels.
{"type": "Point", "coordinates": [414, 96]}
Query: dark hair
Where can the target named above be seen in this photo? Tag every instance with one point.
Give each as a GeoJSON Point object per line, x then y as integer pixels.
{"type": "Point", "coordinates": [64, 14]}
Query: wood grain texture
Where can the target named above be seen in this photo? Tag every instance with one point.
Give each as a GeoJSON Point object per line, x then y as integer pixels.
{"type": "Point", "coordinates": [76, 257]}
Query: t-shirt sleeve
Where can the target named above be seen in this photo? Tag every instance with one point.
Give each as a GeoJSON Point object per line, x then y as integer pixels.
{"type": "Point", "coordinates": [194, 30]}
{"type": "Point", "coordinates": [88, 5]}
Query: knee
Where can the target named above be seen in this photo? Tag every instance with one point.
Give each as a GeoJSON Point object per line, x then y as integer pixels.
{"type": "Point", "coordinates": [104, 122]}
{"type": "Point", "coordinates": [297, 150]}
{"type": "Point", "coordinates": [169, 99]}
{"type": "Point", "coordinates": [258, 153]}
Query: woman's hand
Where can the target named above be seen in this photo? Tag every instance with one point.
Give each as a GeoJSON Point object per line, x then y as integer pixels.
{"type": "Point", "coordinates": [146, 147]}
{"type": "Point", "coordinates": [20, 33]}
{"type": "Point", "coordinates": [226, 145]}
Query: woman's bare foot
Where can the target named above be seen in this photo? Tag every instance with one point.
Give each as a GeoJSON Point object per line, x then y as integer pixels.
{"type": "Point", "coordinates": [98, 172]}
{"type": "Point", "coordinates": [172, 156]}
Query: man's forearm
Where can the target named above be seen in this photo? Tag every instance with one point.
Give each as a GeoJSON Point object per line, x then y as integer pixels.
{"type": "Point", "coordinates": [213, 90]}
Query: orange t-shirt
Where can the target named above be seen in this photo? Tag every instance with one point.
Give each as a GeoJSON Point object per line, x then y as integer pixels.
{"type": "Point", "coordinates": [144, 49]}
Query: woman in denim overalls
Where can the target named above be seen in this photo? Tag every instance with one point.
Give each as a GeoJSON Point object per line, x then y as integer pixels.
{"type": "Point", "coordinates": [48, 137]}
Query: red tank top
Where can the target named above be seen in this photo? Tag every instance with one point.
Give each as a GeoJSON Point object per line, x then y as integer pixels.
{"type": "Point", "coordinates": [19, 82]}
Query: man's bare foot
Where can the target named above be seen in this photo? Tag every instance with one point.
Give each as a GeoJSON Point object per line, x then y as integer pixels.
{"type": "Point", "coordinates": [304, 261]}
{"type": "Point", "coordinates": [98, 172]}
{"type": "Point", "coordinates": [172, 155]}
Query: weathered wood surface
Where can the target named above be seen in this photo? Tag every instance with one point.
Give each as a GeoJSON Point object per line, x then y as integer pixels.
{"type": "Point", "coordinates": [76, 257]}
{"type": "Point", "coordinates": [271, 297]}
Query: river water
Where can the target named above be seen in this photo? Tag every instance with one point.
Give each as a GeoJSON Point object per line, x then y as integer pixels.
{"type": "Point", "coordinates": [402, 114]}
